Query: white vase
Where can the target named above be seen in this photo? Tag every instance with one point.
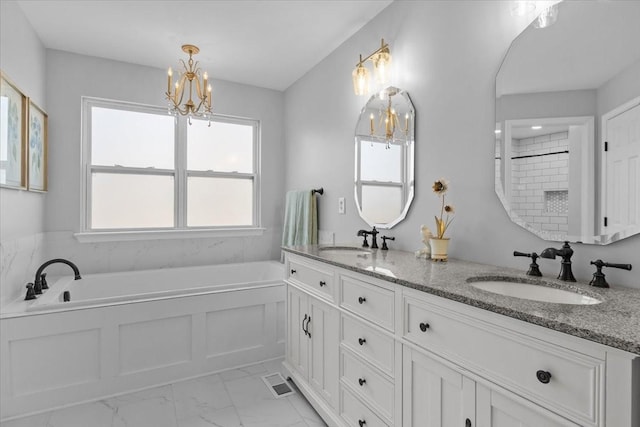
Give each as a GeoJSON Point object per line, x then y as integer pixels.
{"type": "Point", "coordinates": [439, 248]}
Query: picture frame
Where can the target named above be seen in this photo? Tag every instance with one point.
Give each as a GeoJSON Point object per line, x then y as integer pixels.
{"type": "Point", "coordinates": [37, 147]}
{"type": "Point", "coordinates": [13, 138]}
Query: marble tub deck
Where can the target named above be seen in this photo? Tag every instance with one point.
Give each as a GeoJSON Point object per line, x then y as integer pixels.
{"type": "Point", "coordinates": [614, 322]}
{"type": "Point", "coordinates": [235, 398]}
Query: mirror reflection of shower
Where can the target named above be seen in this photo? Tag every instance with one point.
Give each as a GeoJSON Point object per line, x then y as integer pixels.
{"type": "Point", "coordinates": [541, 169]}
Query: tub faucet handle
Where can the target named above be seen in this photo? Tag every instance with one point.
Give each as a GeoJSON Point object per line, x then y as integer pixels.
{"type": "Point", "coordinates": [31, 294]}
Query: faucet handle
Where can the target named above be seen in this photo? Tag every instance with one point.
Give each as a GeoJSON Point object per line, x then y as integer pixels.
{"type": "Point", "coordinates": [384, 242]}
{"type": "Point", "coordinates": [599, 264]}
{"type": "Point", "coordinates": [534, 269]}
{"type": "Point", "coordinates": [31, 294]}
{"type": "Point", "coordinates": [598, 277]}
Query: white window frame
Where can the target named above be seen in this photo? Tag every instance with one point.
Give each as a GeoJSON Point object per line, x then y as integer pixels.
{"type": "Point", "coordinates": [180, 174]}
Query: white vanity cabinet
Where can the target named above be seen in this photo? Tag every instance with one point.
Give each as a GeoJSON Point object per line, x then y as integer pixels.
{"type": "Point", "coordinates": [402, 357]}
{"type": "Point", "coordinates": [434, 394]}
{"type": "Point", "coordinates": [438, 395]}
{"type": "Point", "coordinates": [312, 330]}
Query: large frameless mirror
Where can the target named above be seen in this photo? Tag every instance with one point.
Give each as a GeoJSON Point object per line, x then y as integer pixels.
{"type": "Point", "coordinates": [568, 125]}
{"type": "Point", "coordinates": [384, 158]}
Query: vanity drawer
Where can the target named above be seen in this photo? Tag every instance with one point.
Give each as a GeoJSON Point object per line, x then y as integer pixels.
{"type": "Point", "coordinates": [510, 359]}
{"type": "Point", "coordinates": [356, 413]}
{"type": "Point", "coordinates": [370, 385]}
{"type": "Point", "coordinates": [313, 278]}
{"type": "Point", "coordinates": [372, 302]}
{"type": "Point", "coordinates": [368, 343]}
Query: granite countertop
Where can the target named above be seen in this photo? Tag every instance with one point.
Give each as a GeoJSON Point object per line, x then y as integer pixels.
{"type": "Point", "coordinates": [614, 322]}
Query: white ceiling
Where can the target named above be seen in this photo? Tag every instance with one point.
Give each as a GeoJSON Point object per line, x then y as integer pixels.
{"type": "Point", "coordinates": [590, 43]}
{"type": "Point", "coordinates": [264, 43]}
{"type": "Point", "coordinates": [521, 132]}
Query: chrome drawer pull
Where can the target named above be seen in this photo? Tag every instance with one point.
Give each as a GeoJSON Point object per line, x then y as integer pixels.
{"type": "Point", "coordinates": [544, 376]}
{"type": "Point", "coordinates": [424, 327]}
{"type": "Point", "coordinates": [361, 300]}
{"type": "Point", "coordinates": [361, 381]}
{"type": "Point", "coordinates": [361, 341]}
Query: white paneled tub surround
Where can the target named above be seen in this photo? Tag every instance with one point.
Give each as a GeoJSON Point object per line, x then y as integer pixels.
{"type": "Point", "coordinates": [127, 331]}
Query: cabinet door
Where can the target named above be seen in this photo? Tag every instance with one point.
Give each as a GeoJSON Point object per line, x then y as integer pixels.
{"type": "Point", "coordinates": [323, 352]}
{"type": "Point", "coordinates": [498, 409]}
{"type": "Point", "coordinates": [435, 395]}
{"type": "Point", "coordinates": [297, 319]}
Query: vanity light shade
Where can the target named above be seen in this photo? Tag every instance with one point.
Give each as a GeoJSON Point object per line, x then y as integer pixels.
{"type": "Point", "coordinates": [522, 7]}
{"type": "Point", "coordinates": [548, 17]}
{"type": "Point", "coordinates": [382, 67]}
{"type": "Point", "coordinates": [360, 80]}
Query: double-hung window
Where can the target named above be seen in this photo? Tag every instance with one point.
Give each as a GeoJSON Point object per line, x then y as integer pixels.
{"type": "Point", "coordinates": [381, 179]}
{"type": "Point", "coordinates": [145, 170]}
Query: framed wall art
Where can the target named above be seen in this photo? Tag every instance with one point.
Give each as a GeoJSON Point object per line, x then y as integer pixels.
{"type": "Point", "coordinates": [13, 139]}
{"type": "Point", "coordinates": [37, 129]}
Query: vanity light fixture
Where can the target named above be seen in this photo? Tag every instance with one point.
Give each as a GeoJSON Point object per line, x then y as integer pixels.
{"type": "Point", "coordinates": [381, 59]}
{"type": "Point", "coordinates": [189, 78]}
{"type": "Point", "coordinates": [547, 17]}
{"type": "Point", "coordinates": [522, 8]}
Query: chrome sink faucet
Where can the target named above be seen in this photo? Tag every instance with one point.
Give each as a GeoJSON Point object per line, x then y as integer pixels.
{"type": "Point", "coordinates": [565, 265]}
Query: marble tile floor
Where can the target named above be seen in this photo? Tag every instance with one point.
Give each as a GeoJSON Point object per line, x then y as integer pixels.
{"type": "Point", "coordinates": [235, 398]}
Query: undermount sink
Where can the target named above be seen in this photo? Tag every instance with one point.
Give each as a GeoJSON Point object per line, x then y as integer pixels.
{"type": "Point", "coordinates": [533, 292]}
{"type": "Point", "coordinates": [343, 250]}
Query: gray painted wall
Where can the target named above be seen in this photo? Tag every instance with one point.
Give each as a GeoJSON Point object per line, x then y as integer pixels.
{"type": "Point", "coordinates": [34, 231]}
{"type": "Point", "coordinates": [22, 58]}
{"type": "Point", "coordinates": [128, 82]}
{"type": "Point", "coordinates": [447, 55]}
{"type": "Point", "coordinates": [620, 89]}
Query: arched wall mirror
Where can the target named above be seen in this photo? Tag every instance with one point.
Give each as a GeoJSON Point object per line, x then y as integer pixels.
{"type": "Point", "coordinates": [384, 158]}
{"type": "Point", "coordinates": [564, 93]}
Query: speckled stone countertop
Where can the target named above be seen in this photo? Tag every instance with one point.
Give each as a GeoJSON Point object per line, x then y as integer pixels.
{"type": "Point", "coordinates": [614, 322]}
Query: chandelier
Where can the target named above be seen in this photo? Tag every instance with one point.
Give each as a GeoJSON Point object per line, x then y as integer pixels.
{"type": "Point", "coordinates": [381, 59]}
{"type": "Point", "coordinates": [187, 83]}
{"type": "Point", "coordinates": [394, 131]}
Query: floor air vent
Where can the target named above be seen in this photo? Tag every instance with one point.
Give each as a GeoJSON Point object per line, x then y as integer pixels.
{"type": "Point", "coordinates": [278, 385]}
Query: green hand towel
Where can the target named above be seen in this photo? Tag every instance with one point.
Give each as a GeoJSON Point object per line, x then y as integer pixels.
{"type": "Point", "coordinates": [300, 219]}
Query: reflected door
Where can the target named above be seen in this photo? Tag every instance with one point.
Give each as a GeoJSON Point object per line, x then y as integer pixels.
{"type": "Point", "coordinates": [622, 162]}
